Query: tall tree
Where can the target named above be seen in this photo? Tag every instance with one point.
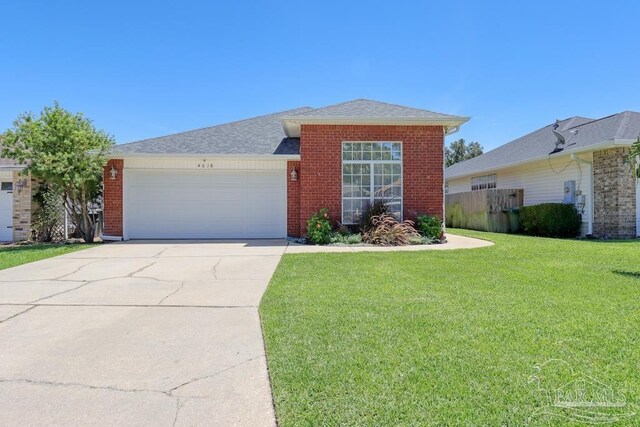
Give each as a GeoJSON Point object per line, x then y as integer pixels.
{"type": "Point", "coordinates": [67, 152]}
{"type": "Point", "coordinates": [459, 151]}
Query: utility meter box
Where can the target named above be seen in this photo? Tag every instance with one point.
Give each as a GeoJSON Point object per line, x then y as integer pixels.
{"type": "Point", "coordinates": [569, 192]}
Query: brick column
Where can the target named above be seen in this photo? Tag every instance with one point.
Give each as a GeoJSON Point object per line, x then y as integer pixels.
{"type": "Point", "coordinates": [21, 206]}
{"type": "Point", "coordinates": [113, 199]}
{"type": "Point", "coordinates": [293, 200]}
{"type": "Point", "coordinates": [614, 189]}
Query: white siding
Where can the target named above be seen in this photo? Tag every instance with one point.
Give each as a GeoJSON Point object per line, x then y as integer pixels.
{"type": "Point", "coordinates": [191, 163]}
{"type": "Point", "coordinates": [542, 181]}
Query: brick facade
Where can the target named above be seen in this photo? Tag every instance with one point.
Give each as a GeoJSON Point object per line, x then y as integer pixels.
{"type": "Point", "coordinates": [113, 198]}
{"type": "Point", "coordinates": [615, 195]}
{"type": "Point", "coordinates": [22, 206]}
{"type": "Point", "coordinates": [320, 169]}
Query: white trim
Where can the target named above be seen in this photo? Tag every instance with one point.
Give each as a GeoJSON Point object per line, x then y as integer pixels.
{"type": "Point", "coordinates": [612, 143]}
{"type": "Point", "coordinates": [125, 202]}
{"type": "Point", "coordinates": [372, 177]}
{"type": "Point", "coordinates": [292, 124]}
{"type": "Point", "coordinates": [591, 193]}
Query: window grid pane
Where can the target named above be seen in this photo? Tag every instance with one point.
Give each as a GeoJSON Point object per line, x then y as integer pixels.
{"type": "Point", "coordinates": [371, 171]}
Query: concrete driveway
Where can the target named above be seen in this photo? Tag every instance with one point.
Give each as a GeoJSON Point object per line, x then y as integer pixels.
{"type": "Point", "coordinates": [139, 333]}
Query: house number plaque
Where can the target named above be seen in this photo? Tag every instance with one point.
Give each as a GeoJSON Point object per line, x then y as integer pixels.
{"type": "Point", "coordinates": [205, 165]}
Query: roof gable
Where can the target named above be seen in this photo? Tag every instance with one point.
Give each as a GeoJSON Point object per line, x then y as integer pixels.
{"type": "Point", "coordinates": [369, 108]}
{"type": "Point", "coordinates": [366, 111]}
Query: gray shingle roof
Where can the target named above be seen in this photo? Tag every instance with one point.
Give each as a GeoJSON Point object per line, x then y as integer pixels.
{"type": "Point", "coordinates": [580, 133]}
{"type": "Point", "coordinates": [265, 135]}
{"type": "Point", "coordinates": [255, 136]}
{"type": "Point", "coordinates": [369, 108]}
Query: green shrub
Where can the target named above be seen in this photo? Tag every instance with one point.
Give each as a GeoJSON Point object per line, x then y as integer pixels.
{"type": "Point", "coordinates": [550, 220]}
{"type": "Point", "coordinates": [387, 231]}
{"type": "Point", "coordinates": [379, 207]}
{"type": "Point", "coordinates": [319, 227]}
{"type": "Point", "coordinates": [429, 226]}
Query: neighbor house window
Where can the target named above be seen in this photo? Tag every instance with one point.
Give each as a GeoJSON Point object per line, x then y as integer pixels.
{"type": "Point", "coordinates": [483, 182]}
{"type": "Point", "coordinates": [370, 171]}
{"type": "Point", "coordinates": [6, 186]}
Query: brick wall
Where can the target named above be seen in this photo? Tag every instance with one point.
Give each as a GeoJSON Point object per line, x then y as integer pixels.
{"type": "Point", "coordinates": [21, 207]}
{"type": "Point", "coordinates": [614, 194]}
{"type": "Point", "coordinates": [320, 177]}
{"type": "Point", "coordinates": [293, 200]}
{"type": "Point", "coordinates": [113, 199]}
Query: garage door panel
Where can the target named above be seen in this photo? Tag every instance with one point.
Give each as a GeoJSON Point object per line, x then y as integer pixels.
{"type": "Point", "coordinates": [205, 204]}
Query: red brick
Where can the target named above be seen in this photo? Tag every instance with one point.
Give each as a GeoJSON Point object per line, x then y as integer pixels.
{"type": "Point", "coordinates": [113, 198]}
{"type": "Point", "coordinates": [320, 170]}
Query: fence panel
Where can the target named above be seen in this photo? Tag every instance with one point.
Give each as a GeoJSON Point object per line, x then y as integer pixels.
{"type": "Point", "coordinates": [484, 210]}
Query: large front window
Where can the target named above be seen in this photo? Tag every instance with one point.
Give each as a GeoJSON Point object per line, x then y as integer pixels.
{"type": "Point", "coordinates": [370, 171]}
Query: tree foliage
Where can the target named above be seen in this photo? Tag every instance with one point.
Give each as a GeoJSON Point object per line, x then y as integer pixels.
{"type": "Point", "coordinates": [67, 152]}
{"type": "Point", "coordinates": [634, 157]}
{"type": "Point", "coordinates": [459, 151]}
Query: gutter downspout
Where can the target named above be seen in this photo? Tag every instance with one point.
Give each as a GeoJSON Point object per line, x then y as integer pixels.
{"type": "Point", "coordinates": [450, 131]}
{"type": "Point", "coordinates": [591, 193]}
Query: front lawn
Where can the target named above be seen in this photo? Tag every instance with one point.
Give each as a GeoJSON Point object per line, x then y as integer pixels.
{"type": "Point", "coordinates": [10, 256]}
{"type": "Point", "coordinates": [453, 337]}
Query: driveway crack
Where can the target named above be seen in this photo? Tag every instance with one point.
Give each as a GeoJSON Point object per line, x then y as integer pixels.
{"type": "Point", "coordinates": [77, 270]}
{"type": "Point", "coordinates": [140, 269]}
{"type": "Point", "coordinates": [215, 373]}
{"type": "Point", "coordinates": [87, 386]}
{"type": "Point", "coordinates": [159, 254]}
{"type": "Point", "coordinates": [88, 282]}
{"type": "Point", "coordinates": [215, 268]}
{"type": "Point", "coordinates": [18, 314]}
{"type": "Point", "coordinates": [179, 404]}
{"type": "Point", "coordinates": [172, 293]}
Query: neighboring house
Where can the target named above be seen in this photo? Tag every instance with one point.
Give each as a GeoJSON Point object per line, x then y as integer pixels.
{"type": "Point", "coordinates": [15, 202]}
{"type": "Point", "coordinates": [264, 177]}
{"type": "Point", "coordinates": [590, 169]}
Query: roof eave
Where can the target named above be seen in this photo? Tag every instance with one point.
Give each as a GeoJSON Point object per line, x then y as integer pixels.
{"type": "Point", "coordinates": [611, 143]}
{"type": "Point", "coordinates": [292, 124]}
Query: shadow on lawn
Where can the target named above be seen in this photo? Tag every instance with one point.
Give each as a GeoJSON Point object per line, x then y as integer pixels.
{"type": "Point", "coordinates": [632, 274]}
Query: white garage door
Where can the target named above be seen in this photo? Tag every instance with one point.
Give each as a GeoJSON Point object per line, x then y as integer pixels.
{"type": "Point", "coordinates": [200, 204]}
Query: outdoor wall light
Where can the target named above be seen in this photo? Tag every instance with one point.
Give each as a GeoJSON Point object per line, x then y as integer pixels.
{"type": "Point", "coordinates": [294, 175]}
{"type": "Point", "coordinates": [113, 173]}
{"type": "Point", "coordinates": [20, 184]}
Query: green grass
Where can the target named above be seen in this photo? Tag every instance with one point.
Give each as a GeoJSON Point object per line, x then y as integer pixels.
{"type": "Point", "coordinates": [10, 256]}
{"type": "Point", "coordinates": [451, 338]}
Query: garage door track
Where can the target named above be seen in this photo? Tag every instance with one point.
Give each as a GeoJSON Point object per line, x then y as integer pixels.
{"type": "Point", "coordinates": [139, 333]}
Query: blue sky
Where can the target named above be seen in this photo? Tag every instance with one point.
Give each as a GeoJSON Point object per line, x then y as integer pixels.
{"type": "Point", "coordinates": [143, 69]}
